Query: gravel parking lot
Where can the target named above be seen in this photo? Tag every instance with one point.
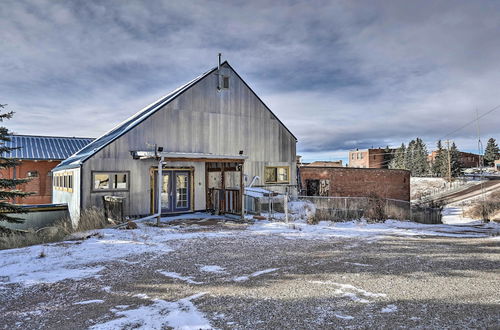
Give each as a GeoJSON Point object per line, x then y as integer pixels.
{"type": "Point", "coordinates": [245, 280]}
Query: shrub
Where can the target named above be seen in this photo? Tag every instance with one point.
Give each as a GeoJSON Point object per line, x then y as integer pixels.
{"type": "Point", "coordinates": [375, 209]}
{"type": "Point", "coordinates": [484, 209]}
{"type": "Point", "coordinates": [91, 218]}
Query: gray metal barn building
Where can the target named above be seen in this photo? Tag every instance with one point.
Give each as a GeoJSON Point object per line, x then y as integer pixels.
{"type": "Point", "coordinates": [214, 135]}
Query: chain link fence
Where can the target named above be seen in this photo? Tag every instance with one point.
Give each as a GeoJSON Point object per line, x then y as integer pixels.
{"type": "Point", "coordinates": [281, 206]}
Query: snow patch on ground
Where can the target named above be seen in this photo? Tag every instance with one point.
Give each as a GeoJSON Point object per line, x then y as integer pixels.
{"type": "Point", "coordinates": [188, 279]}
{"type": "Point", "coordinates": [212, 269]}
{"type": "Point", "coordinates": [361, 229]}
{"type": "Point", "coordinates": [86, 302]}
{"type": "Point", "coordinates": [358, 264]}
{"type": "Point", "coordinates": [389, 309]}
{"type": "Point", "coordinates": [260, 272]}
{"type": "Point", "coordinates": [79, 259]}
{"type": "Point", "coordinates": [351, 292]}
{"type": "Point", "coordinates": [344, 317]}
{"type": "Point", "coordinates": [181, 314]}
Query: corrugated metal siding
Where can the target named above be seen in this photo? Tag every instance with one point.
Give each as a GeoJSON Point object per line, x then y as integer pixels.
{"type": "Point", "coordinates": [200, 120]}
{"type": "Point", "coordinates": [44, 147]}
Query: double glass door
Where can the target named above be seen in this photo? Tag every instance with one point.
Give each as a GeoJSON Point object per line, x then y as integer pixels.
{"type": "Point", "coordinates": [175, 191]}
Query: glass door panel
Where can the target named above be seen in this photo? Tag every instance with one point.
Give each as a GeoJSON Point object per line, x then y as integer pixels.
{"type": "Point", "coordinates": [165, 193]}
{"type": "Point", "coordinates": [182, 191]}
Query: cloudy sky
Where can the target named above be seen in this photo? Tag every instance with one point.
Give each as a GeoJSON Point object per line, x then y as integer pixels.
{"type": "Point", "coordinates": [339, 74]}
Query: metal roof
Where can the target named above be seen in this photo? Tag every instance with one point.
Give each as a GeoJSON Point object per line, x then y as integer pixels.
{"type": "Point", "coordinates": [44, 147]}
{"type": "Point", "coordinates": [82, 155]}
{"type": "Point", "coordinates": [88, 151]}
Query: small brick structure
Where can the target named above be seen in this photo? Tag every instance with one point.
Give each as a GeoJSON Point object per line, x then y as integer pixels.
{"type": "Point", "coordinates": [37, 156]}
{"type": "Point", "coordinates": [40, 184]}
{"type": "Point", "coordinates": [354, 182]}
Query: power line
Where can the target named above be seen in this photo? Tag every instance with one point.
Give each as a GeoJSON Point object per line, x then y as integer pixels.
{"type": "Point", "coordinates": [472, 121]}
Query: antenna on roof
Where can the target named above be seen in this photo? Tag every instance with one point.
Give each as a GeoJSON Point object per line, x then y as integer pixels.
{"type": "Point", "coordinates": [218, 73]}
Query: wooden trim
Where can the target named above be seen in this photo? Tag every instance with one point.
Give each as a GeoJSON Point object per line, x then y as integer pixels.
{"type": "Point", "coordinates": [154, 169]}
{"type": "Point", "coordinates": [92, 190]}
{"type": "Point", "coordinates": [278, 182]}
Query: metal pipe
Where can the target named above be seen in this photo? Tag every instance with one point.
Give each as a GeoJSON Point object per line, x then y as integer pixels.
{"type": "Point", "coordinates": [255, 178]}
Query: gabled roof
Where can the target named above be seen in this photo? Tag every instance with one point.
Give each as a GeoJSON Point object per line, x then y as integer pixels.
{"type": "Point", "coordinates": [82, 155]}
{"type": "Point", "coordinates": [44, 147]}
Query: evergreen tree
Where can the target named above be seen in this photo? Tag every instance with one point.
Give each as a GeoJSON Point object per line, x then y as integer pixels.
{"type": "Point", "coordinates": [8, 191]}
{"type": "Point", "coordinates": [491, 153]}
{"type": "Point", "coordinates": [420, 165]}
{"type": "Point", "coordinates": [440, 164]}
{"type": "Point", "coordinates": [456, 166]}
{"type": "Point", "coordinates": [410, 156]}
{"type": "Point", "coordinates": [398, 162]}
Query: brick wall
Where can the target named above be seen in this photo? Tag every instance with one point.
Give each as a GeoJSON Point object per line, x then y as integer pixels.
{"type": "Point", "coordinates": [370, 158]}
{"type": "Point", "coordinates": [359, 158]}
{"type": "Point", "coordinates": [360, 182]}
{"type": "Point", "coordinates": [41, 185]}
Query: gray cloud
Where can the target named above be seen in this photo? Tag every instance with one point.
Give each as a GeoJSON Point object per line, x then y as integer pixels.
{"type": "Point", "coordinates": [340, 75]}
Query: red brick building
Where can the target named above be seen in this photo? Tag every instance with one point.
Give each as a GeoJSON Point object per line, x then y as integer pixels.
{"type": "Point", "coordinates": [37, 156]}
{"type": "Point", "coordinates": [371, 158]}
{"type": "Point", "coordinates": [354, 182]}
{"type": "Point", "coordinates": [467, 159]}
{"type": "Point", "coordinates": [326, 163]}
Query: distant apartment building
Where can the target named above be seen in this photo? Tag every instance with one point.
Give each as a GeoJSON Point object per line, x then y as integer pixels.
{"type": "Point", "coordinates": [371, 158]}
{"type": "Point", "coordinates": [497, 165]}
{"type": "Point", "coordinates": [467, 159]}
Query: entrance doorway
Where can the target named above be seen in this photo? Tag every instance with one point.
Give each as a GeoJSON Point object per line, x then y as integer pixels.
{"type": "Point", "coordinates": [176, 193]}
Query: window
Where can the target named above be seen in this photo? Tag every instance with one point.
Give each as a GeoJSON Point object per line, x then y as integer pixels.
{"type": "Point", "coordinates": [101, 181]}
{"type": "Point", "coordinates": [225, 82]}
{"type": "Point", "coordinates": [32, 174]}
{"type": "Point", "coordinates": [63, 181]}
{"type": "Point", "coordinates": [120, 181]}
{"type": "Point", "coordinates": [352, 155]}
{"type": "Point", "coordinates": [106, 181]}
{"type": "Point", "coordinates": [277, 174]}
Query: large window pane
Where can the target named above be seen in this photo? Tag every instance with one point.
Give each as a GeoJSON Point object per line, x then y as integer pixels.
{"type": "Point", "coordinates": [101, 181]}
{"type": "Point", "coordinates": [120, 181]}
{"type": "Point", "coordinates": [271, 174]}
{"type": "Point", "coordinates": [282, 174]}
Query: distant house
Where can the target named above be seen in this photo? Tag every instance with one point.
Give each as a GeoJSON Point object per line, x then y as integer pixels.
{"type": "Point", "coordinates": [371, 158]}
{"type": "Point", "coordinates": [466, 159]}
{"type": "Point", "coordinates": [497, 165]}
{"type": "Point", "coordinates": [323, 163]}
{"type": "Point", "coordinates": [354, 182]}
{"type": "Point", "coordinates": [37, 156]}
{"type": "Point", "coordinates": [209, 137]}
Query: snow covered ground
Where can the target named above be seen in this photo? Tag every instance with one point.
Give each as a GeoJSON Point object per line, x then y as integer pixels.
{"type": "Point", "coordinates": [90, 259]}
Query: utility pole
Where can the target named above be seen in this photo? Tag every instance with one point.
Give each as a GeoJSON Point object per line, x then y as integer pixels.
{"type": "Point", "coordinates": [481, 151]}
{"type": "Point", "coordinates": [449, 160]}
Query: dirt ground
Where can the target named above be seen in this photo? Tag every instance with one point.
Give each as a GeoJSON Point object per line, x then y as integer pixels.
{"type": "Point", "coordinates": [270, 282]}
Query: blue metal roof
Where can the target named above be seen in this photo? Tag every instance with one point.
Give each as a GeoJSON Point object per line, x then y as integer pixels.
{"type": "Point", "coordinates": [82, 155]}
{"type": "Point", "coordinates": [44, 147]}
